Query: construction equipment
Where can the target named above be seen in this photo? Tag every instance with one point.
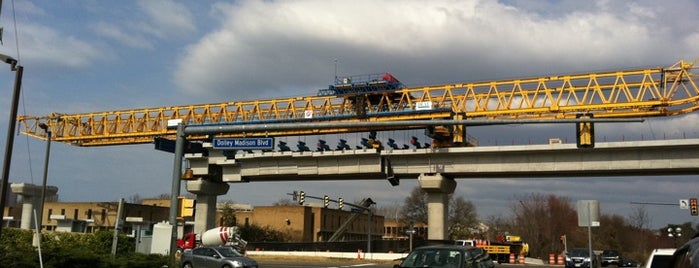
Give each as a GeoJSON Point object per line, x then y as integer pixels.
{"type": "Point", "coordinates": [219, 236]}
{"type": "Point", "coordinates": [614, 94]}
{"type": "Point", "coordinates": [500, 249]}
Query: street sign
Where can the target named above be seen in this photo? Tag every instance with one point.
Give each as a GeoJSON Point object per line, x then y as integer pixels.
{"type": "Point", "coordinates": [588, 213]}
{"type": "Point", "coordinates": [684, 203]}
{"type": "Point", "coordinates": [244, 143]}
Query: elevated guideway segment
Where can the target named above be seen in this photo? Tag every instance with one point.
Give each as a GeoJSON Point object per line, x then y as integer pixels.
{"type": "Point", "coordinates": [437, 168]}
{"type": "Point", "coordinates": [631, 158]}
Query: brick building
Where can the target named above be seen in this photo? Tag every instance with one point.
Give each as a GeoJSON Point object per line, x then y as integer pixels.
{"type": "Point", "coordinates": [311, 224]}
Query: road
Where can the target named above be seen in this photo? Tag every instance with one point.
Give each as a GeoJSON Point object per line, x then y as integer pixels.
{"type": "Point", "coordinates": [330, 263]}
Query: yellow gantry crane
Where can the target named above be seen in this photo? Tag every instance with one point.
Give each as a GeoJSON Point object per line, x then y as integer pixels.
{"type": "Point", "coordinates": [634, 93]}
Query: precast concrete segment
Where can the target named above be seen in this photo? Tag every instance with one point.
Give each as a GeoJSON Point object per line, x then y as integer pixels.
{"type": "Point", "coordinates": [31, 198]}
{"type": "Point", "coordinates": [328, 165]}
{"type": "Point", "coordinates": [202, 186]}
{"type": "Point", "coordinates": [438, 189]}
{"type": "Point", "coordinates": [638, 158]}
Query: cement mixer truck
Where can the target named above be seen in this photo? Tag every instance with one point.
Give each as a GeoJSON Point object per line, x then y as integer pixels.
{"type": "Point", "coordinates": [219, 236]}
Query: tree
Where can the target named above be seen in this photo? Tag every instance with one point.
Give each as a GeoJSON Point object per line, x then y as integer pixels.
{"type": "Point", "coordinates": [462, 216]}
{"type": "Point", "coordinates": [285, 202]}
{"type": "Point", "coordinates": [228, 215]}
{"type": "Point", "coordinates": [540, 220]}
{"type": "Point", "coordinates": [463, 219]}
{"type": "Point", "coordinates": [134, 199]}
{"type": "Point", "coordinates": [415, 207]}
{"type": "Point", "coordinates": [640, 218]}
{"type": "Point", "coordinates": [390, 212]}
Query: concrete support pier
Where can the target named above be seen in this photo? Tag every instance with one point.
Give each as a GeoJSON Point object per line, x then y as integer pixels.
{"type": "Point", "coordinates": [31, 199]}
{"type": "Point", "coordinates": [438, 189]}
{"type": "Point", "coordinates": [207, 192]}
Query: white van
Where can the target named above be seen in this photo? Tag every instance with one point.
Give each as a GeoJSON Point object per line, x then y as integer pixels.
{"type": "Point", "coordinates": [660, 258]}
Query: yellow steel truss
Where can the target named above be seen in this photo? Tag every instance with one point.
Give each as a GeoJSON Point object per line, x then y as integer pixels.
{"type": "Point", "coordinates": [618, 94]}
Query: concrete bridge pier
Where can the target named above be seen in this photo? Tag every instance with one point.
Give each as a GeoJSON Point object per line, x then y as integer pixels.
{"type": "Point", "coordinates": [438, 189]}
{"type": "Point", "coordinates": [207, 192]}
{"type": "Point", "coordinates": [31, 199]}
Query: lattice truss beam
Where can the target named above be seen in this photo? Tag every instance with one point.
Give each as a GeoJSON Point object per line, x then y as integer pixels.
{"type": "Point", "coordinates": [618, 94]}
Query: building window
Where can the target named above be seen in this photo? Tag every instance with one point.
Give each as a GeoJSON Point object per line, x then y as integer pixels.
{"type": "Point", "coordinates": [75, 214]}
{"type": "Point", "coordinates": [89, 213]}
{"type": "Point", "coordinates": [63, 211]}
{"type": "Point", "coordinates": [104, 215]}
{"type": "Point", "coordinates": [48, 216]}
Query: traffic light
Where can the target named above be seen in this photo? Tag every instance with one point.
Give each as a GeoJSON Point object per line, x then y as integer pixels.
{"type": "Point", "coordinates": [340, 202]}
{"type": "Point", "coordinates": [693, 210]}
{"type": "Point", "coordinates": [186, 207]}
{"type": "Point", "coordinates": [302, 198]}
{"type": "Point", "coordinates": [326, 201]}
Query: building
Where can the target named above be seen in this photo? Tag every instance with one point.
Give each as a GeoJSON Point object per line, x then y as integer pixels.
{"type": "Point", "coordinates": [90, 216]}
{"type": "Point", "coordinates": [396, 230]}
{"type": "Point", "coordinates": [312, 223]}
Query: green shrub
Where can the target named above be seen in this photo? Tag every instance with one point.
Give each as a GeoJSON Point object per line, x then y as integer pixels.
{"type": "Point", "coordinates": [59, 250]}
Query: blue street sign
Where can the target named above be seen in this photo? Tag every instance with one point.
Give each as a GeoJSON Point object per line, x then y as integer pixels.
{"type": "Point", "coordinates": [244, 143]}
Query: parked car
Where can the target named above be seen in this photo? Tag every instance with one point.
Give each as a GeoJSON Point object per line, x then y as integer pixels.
{"type": "Point", "coordinates": [660, 258]}
{"type": "Point", "coordinates": [626, 262]}
{"type": "Point", "coordinates": [580, 258]}
{"type": "Point", "coordinates": [446, 256]}
{"type": "Point", "coordinates": [216, 257]}
{"type": "Point", "coordinates": [610, 257]}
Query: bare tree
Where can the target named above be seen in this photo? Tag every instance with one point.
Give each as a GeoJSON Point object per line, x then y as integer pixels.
{"type": "Point", "coordinates": [134, 199]}
{"type": "Point", "coordinates": [285, 202]}
{"type": "Point", "coordinates": [390, 212]}
{"type": "Point", "coordinates": [639, 217]}
{"type": "Point", "coordinates": [415, 207]}
{"type": "Point", "coordinates": [541, 220]}
{"type": "Point", "coordinates": [463, 219]}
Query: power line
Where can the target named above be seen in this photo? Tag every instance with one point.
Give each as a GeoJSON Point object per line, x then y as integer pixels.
{"type": "Point", "coordinates": [655, 203]}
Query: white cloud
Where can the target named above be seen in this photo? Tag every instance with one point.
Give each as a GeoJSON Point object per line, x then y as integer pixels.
{"type": "Point", "coordinates": [271, 46]}
{"type": "Point", "coordinates": [167, 18]}
{"type": "Point", "coordinates": [46, 46]}
{"type": "Point", "coordinates": [132, 39]}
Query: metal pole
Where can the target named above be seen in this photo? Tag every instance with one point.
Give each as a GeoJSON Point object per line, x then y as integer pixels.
{"type": "Point", "coordinates": [589, 232]}
{"type": "Point", "coordinates": [117, 226]}
{"type": "Point", "coordinates": [175, 192]}
{"type": "Point", "coordinates": [368, 242]}
{"type": "Point", "coordinates": [46, 170]}
{"type": "Point", "coordinates": [10, 141]}
{"type": "Point", "coordinates": [38, 237]}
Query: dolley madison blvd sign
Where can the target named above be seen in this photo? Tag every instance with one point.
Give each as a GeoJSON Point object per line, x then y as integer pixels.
{"type": "Point", "coordinates": [244, 143]}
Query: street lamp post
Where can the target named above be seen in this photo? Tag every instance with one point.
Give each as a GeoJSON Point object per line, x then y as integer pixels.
{"type": "Point", "coordinates": [674, 233]}
{"type": "Point", "coordinates": [10, 131]}
{"type": "Point", "coordinates": [46, 170]}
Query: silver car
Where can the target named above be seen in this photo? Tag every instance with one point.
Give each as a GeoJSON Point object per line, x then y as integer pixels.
{"type": "Point", "coordinates": [216, 257]}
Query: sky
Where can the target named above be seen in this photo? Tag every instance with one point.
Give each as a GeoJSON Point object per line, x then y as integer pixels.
{"type": "Point", "coordinates": [88, 56]}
